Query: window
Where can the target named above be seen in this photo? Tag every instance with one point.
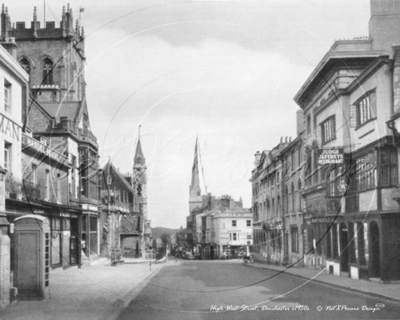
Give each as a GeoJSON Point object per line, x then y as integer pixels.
{"type": "Point", "coordinates": [24, 63]}
{"type": "Point", "coordinates": [7, 96]}
{"type": "Point", "coordinates": [47, 71]}
{"type": "Point", "coordinates": [365, 171]}
{"type": "Point", "coordinates": [233, 223]}
{"type": "Point", "coordinates": [388, 167]}
{"type": "Point", "coordinates": [234, 236]}
{"type": "Point", "coordinates": [7, 156]}
{"type": "Point", "coordinates": [248, 223]}
{"type": "Point", "coordinates": [34, 174]}
{"type": "Point", "coordinates": [299, 195]}
{"type": "Point", "coordinates": [366, 108]}
{"type": "Point", "coordinates": [48, 185]}
{"type": "Point", "coordinates": [335, 177]}
{"type": "Point", "coordinates": [328, 129]}
{"type": "Point", "coordinates": [294, 233]}
{"type": "Point", "coordinates": [308, 124]}
{"type": "Point", "coordinates": [293, 199]}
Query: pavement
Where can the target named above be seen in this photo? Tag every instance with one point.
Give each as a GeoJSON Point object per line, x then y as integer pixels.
{"type": "Point", "coordinates": [388, 291]}
{"type": "Point", "coordinates": [98, 292]}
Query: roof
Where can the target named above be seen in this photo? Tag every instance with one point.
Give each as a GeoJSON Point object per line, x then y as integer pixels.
{"type": "Point", "coordinates": [116, 172]}
{"type": "Point", "coordinates": [68, 109]}
{"type": "Point", "coordinates": [341, 53]}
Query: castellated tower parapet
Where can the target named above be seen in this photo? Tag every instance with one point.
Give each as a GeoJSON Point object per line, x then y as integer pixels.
{"type": "Point", "coordinates": [53, 56]}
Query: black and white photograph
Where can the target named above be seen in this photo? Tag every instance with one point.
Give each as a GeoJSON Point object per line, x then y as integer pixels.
{"type": "Point", "coordinates": [199, 159]}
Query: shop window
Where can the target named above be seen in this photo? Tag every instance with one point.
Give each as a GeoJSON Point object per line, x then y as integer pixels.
{"type": "Point", "coordinates": [55, 242]}
{"type": "Point", "coordinates": [310, 238]}
{"type": "Point", "coordinates": [335, 247]}
{"type": "Point", "coordinates": [328, 237]}
{"type": "Point", "coordinates": [319, 242]}
{"type": "Point", "coordinates": [362, 243]}
{"type": "Point", "coordinates": [352, 242]}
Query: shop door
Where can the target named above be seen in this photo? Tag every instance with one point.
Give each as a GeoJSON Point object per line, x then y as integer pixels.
{"type": "Point", "coordinates": [73, 242]}
{"type": "Point", "coordinates": [344, 248]}
{"type": "Point", "coordinates": [374, 267]}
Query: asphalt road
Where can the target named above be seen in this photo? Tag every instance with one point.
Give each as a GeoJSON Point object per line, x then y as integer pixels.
{"type": "Point", "coordinates": [232, 290]}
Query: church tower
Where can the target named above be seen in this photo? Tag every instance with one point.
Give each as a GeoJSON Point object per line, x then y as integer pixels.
{"type": "Point", "coordinates": [140, 181]}
{"type": "Point", "coordinates": [53, 56]}
{"type": "Point", "coordinates": [139, 184]}
{"type": "Point", "coordinates": [195, 198]}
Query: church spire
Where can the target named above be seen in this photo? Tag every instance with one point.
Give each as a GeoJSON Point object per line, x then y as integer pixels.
{"type": "Point", "coordinates": [139, 159]}
{"type": "Point", "coordinates": [195, 199]}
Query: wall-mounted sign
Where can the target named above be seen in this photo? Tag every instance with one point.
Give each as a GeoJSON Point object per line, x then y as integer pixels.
{"type": "Point", "coordinates": [318, 220]}
{"type": "Point", "coordinates": [330, 156]}
{"type": "Point", "coordinates": [9, 128]}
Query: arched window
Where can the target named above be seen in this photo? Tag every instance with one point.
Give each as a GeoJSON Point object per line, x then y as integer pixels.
{"type": "Point", "coordinates": [24, 63]}
{"type": "Point", "coordinates": [47, 71]}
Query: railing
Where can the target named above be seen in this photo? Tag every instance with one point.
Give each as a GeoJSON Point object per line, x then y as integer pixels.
{"type": "Point", "coordinates": [39, 147]}
{"type": "Point", "coordinates": [86, 134]}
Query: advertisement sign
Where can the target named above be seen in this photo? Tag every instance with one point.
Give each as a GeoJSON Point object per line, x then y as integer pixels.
{"type": "Point", "coordinates": [330, 156]}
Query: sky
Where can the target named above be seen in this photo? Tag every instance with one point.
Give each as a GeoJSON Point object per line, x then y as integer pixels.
{"type": "Point", "coordinates": [223, 71]}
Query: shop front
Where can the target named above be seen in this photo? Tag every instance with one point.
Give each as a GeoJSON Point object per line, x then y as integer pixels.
{"type": "Point", "coordinates": [64, 229]}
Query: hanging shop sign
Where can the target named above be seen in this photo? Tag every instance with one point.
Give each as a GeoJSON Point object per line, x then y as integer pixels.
{"type": "Point", "coordinates": [330, 156]}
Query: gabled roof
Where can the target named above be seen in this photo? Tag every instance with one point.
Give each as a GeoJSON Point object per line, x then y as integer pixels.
{"type": "Point", "coordinates": [109, 167]}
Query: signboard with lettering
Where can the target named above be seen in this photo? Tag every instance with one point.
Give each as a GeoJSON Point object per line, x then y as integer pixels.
{"type": "Point", "coordinates": [330, 156]}
{"type": "Point", "coordinates": [317, 220]}
{"type": "Point", "coordinates": [9, 128]}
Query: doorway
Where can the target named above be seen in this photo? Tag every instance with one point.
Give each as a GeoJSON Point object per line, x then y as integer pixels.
{"type": "Point", "coordinates": [374, 267]}
{"type": "Point", "coordinates": [344, 248]}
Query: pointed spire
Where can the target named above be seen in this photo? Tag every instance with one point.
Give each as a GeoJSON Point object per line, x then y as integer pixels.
{"type": "Point", "coordinates": [195, 185]}
{"type": "Point", "coordinates": [139, 159]}
{"type": "Point", "coordinates": [2, 8]}
{"type": "Point", "coordinates": [34, 14]}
